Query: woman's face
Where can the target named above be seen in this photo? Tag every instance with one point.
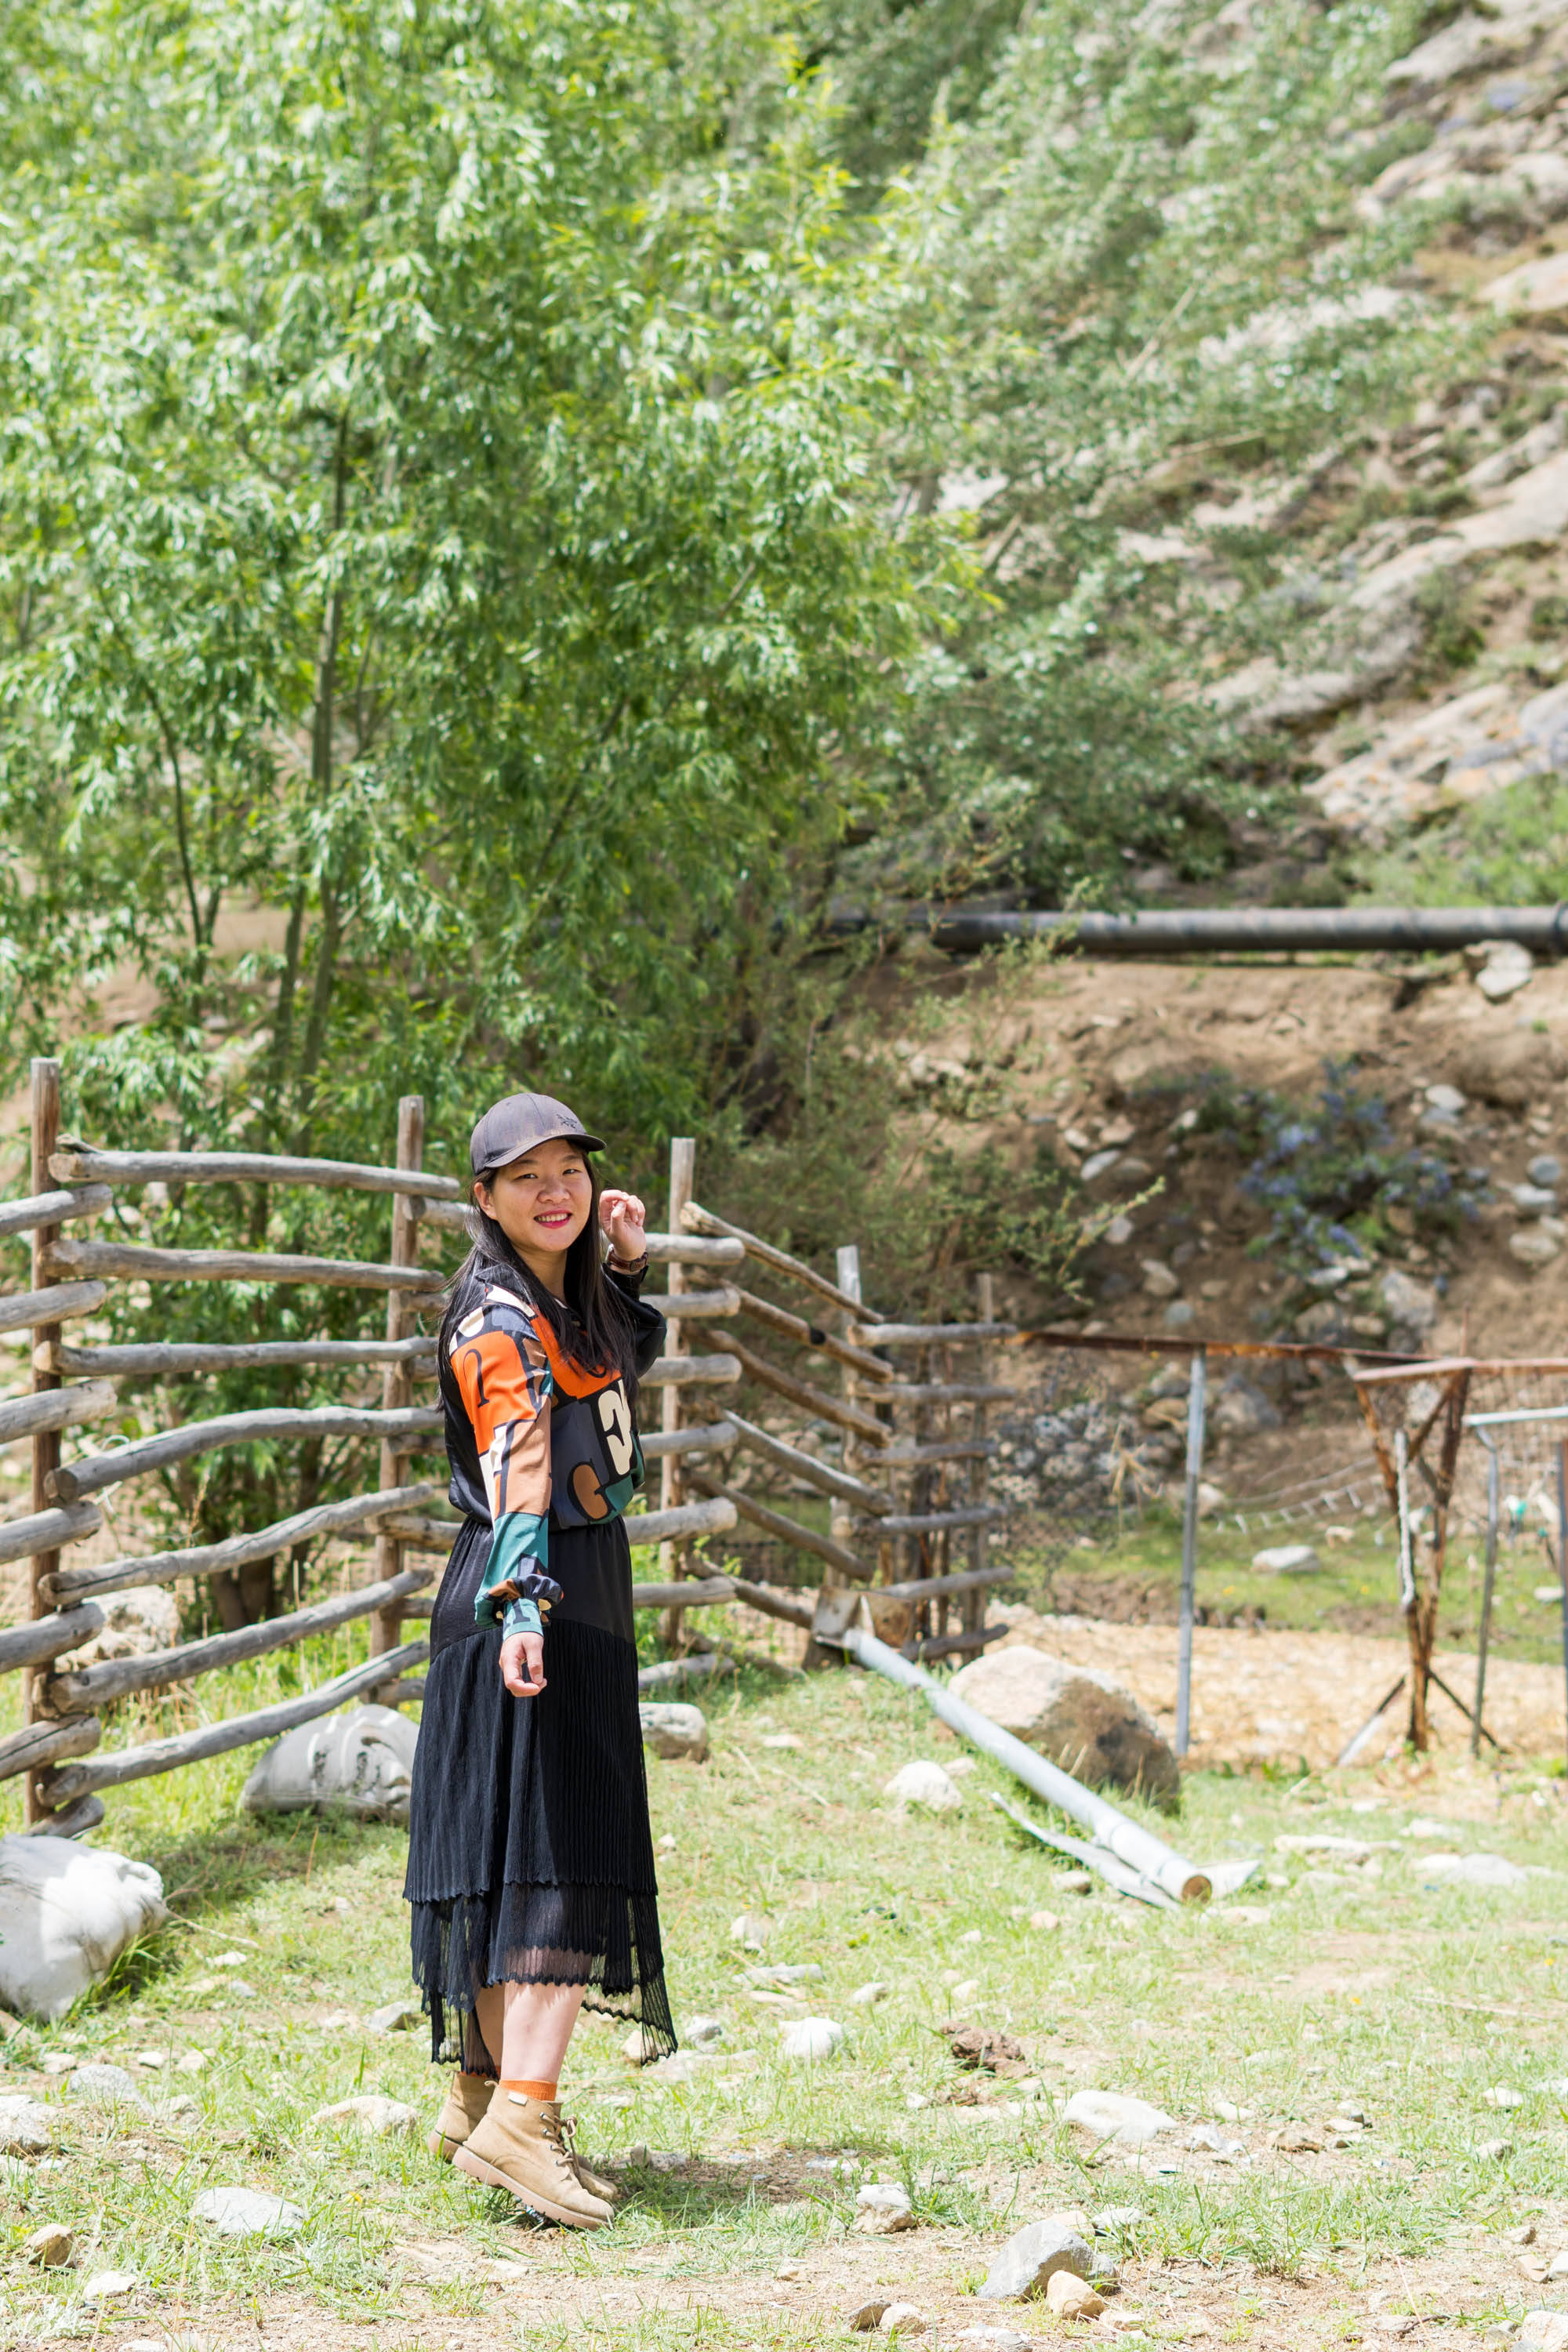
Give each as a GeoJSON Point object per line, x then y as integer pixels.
{"type": "Point", "coordinates": [541, 1202]}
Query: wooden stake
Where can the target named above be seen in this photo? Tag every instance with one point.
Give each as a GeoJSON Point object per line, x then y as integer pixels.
{"type": "Point", "coordinates": [674, 1558]}
{"type": "Point", "coordinates": [971, 1616]}
{"type": "Point", "coordinates": [397, 1384]}
{"type": "Point", "coordinates": [45, 1108]}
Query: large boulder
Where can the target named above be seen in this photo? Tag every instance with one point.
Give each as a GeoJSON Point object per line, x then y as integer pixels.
{"type": "Point", "coordinates": [137, 1622]}
{"type": "Point", "coordinates": [362, 1761]}
{"type": "Point", "coordinates": [1079, 1718]}
{"type": "Point", "coordinates": [1512, 1070]}
{"type": "Point", "coordinates": [67, 1913]}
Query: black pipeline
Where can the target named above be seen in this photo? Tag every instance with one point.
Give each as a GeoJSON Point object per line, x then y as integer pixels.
{"type": "Point", "coordinates": [1228, 930]}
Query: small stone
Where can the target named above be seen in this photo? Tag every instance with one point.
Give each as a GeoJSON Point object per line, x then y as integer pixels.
{"type": "Point", "coordinates": [1447, 1100]}
{"type": "Point", "coordinates": [24, 2125]}
{"type": "Point", "coordinates": [108, 2085]}
{"type": "Point", "coordinates": [1558, 2266]}
{"type": "Point", "coordinates": [337, 2021]}
{"type": "Point", "coordinates": [1115, 2116]}
{"type": "Point", "coordinates": [103, 2286]}
{"type": "Point", "coordinates": [243, 1988]}
{"type": "Point", "coordinates": [1535, 1199]}
{"type": "Point", "coordinates": [703, 2032]}
{"type": "Point", "coordinates": [752, 1930]}
{"type": "Point", "coordinates": [782, 1739]}
{"type": "Point", "coordinates": [924, 1784]}
{"type": "Point", "coordinates": [1073, 2298]}
{"type": "Point", "coordinates": [228, 1959]}
{"type": "Point", "coordinates": [964, 1990]}
{"type": "Point", "coordinates": [674, 1730]}
{"type": "Point", "coordinates": [152, 2058]}
{"type": "Point", "coordinates": [1500, 2095]}
{"type": "Point", "coordinates": [881, 2207]}
{"type": "Point", "coordinates": [1470, 1869]}
{"type": "Point", "coordinates": [191, 2062]}
{"type": "Point", "coordinates": [1297, 2139]}
{"type": "Point", "coordinates": [372, 2112]}
{"type": "Point", "coordinates": [1159, 1282]}
{"type": "Point", "coordinates": [1534, 1245]}
{"type": "Point", "coordinates": [867, 1996]}
{"type": "Point", "coordinates": [1542, 2331]}
{"type": "Point", "coordinates": [396, 2017]}
{"type": "Point", "coordinates": [810, 2039]}
{"type": "Point", "coordinates": [903, 2319]}
{"type": "Point", "coordinates": [1507, 968]}
{"type": "Point", "coordinates": [1544, 1171]}
{"type": "Point", "coordinates": [49, 2249]}
{"type": "Point", "coordinates": [1045, 1923]}
{"type": "Point", "coordinates": [1031, 2259]}
{"type": "Point", "coordinates": [247, 2213]}
{"type": "Point", "coordinates": [1524, 2235]}
{"type": "Point", "coordinates": [1179, 1314]}
{"type": "Point", "coordinates": [1494, 2151]}
{"type": "Point", "coordinates": [1117, 2219]}
{"type": "Point", "coordinates": [1287, 1559]}
{"type": "Point", "coordinates": [869, 2315]}
{"type": "Point", "coordinates": [994, 2339]}
{"type": "Point", "coordinates": [1074, 1882]}
{"type": "Point", "coordinates": [633, 2046]}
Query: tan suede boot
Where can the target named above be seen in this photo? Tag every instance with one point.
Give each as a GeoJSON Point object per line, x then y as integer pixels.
{"type": "Point", "coordinates": [517, 2146]}
{"type": "Point", "coordinates": [467, 2100]}
{"type": "Point", "coordinates": [594, 2182]}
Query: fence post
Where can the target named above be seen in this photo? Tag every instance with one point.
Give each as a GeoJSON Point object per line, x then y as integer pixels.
{"type": "Point", "coordinates": [1562, 1553]}
{"type": "Point", "coordinates": [46, 1110]}
{"type": "Point", "coordinates": [1197, 1404]}
{"type": "Point", "coordinates": [1483, 1638]}
{"type": "Point", "coordinates": [972, 1617]}
{"type": "Point", "coordinates": [674, 1557]}
{"type": "Point", "coordinates": [397, 1380]}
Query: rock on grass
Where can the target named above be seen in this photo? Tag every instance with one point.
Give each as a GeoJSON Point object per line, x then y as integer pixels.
{"type": "Point", "coordinates": [1031, 2259]}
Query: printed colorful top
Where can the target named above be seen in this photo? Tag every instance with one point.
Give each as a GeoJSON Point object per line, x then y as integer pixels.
{"type": "Point", "coordinates": [535, 1439]}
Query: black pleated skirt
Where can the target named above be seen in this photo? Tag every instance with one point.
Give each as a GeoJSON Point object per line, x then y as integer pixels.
{"type": "Point", "coordinates": [530, 1855]}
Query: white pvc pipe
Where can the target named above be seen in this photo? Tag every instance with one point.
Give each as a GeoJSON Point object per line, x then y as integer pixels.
{"type": "Point", "coordinates": [1135, 1846]}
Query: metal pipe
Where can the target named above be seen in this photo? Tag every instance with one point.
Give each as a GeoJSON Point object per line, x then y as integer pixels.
{"type": "Point", "coordinates": [1198, 930]}
{"type": "Point", "coordinates": [1493, 1487]}
{"type": "Point", "coordinates": [1139, 1848]}
{"type": "Point", "coordinates": [1402, 1490]}
{"type": "Point", "coordinates": [1196, 1402]}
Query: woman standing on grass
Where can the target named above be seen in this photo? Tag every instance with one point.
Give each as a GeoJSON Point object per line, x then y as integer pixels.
{"type": "Point", "coordinates": [529, 1858]}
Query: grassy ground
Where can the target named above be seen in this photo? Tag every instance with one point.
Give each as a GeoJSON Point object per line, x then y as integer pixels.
{"type": "Point", "coordinates": [1321, 1988]}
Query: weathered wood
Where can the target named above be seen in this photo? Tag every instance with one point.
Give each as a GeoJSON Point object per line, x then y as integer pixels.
{"type": "Point", "coordinates": [819, 1475]}
{"type": "Point", "coordinates": [703, 1221]}
{"type": "Point", "coordinates": [45, 1442]}
{"type": "Point", "coordinates": [927, 1523]}
{"type": "Point", "coordinates": [43, 1532]}
{"type": "Point", "coordinates": [685, 1519]}
{"type": "Point", "coordinates": [75, 1162]}
{"type": "Point", "coordinates": [71, 1822]}
{"type": "Point", "coordinates": [686, 1592]}
{"type": "Point", "coordinates": [405, 1692]}
{"type": "Point", "coordinates": [116, 1679]}
{"type": "Point", "coordinates": [687, 1249]}
{"type": "Point", "coordinates": [44, 1743]}
{"type": "Point", "coordinates": [451, 1216]}
{"type": "Point", "coordinates": [64, 1302]}
{"type": "Point", "coordinates": [901, 1455]}
{"type": "Point", "coordinates": [54, 1409]}
{"type": "Point", "coordinates": [944, 1645]}
{"type": "Point", "coordinates": [131, 1262]}
{"type": "Point", "coordinates": [950, 1393]}
{"type": "Point", "coordinates": [234, 1551]}
{"type": "Point", "coordinates": [701, 1437]}
{"type": "Point", "coordinates": [53, 1208]}
{"type": "Point", "coordinates": [789, 1531]}
{"type": "Point", "coordinates": [816, 1401]}
{"type": "Point", "coordinates": [971, 1580]}
{"type": "Point", "coordinates": [43, 1638]}
{"type": "Point", "coordinates": [397, 1379]}
{"type": "Point", "coordinates": [926, 1335]}
{"type": "Point", "coordinates": [794, 1608]}
{"type": "Point", "coordinates": [421, 1605]}
{"type": "Point", "coordinates": [694, 1305]}
{"type": "Point", "coordinates": [422, 1534]}
{"type": "Point", "coordinates": [691, 1372]}
{"type": "Point", "coordinates": [239, 1731]}
{"type": "Point", "coordinates": [149, 1358]}
{"type": "Point", "coordinates": [811, 1335]}
{"type": "Point", "coordinates": [149, 1454]}
{"type": "Point", "coordinates": [673, 1559]}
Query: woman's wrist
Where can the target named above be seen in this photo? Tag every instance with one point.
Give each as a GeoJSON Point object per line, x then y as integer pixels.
{"type": "Point", "coordinates": [619, 1264]}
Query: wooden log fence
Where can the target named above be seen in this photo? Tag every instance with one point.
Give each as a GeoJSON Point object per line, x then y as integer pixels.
{"type": "Point", "coordinates": [76, 1385]}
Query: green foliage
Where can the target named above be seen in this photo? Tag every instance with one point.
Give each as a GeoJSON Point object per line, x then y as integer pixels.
{"type": "Point", "coordinates": [1511, 849]}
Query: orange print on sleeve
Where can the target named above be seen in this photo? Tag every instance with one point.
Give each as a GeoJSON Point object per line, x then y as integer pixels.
{"type": "Point", "coordinates": [508, 1400]}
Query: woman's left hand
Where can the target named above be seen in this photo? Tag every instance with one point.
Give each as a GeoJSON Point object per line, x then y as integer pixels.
{"type": "Point", "coordinates": [625, 1221]}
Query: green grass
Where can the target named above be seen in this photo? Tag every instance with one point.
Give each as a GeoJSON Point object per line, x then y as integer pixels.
{"type": "Point", "coordinates": [1177, 2008]}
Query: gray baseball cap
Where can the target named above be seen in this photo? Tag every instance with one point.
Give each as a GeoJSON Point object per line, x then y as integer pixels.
{"type": "Point", "coordinates": [517, 1123]}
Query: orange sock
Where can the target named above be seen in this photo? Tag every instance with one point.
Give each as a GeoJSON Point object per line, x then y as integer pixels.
{"type": "Point", "coordinates": [541, 2091]}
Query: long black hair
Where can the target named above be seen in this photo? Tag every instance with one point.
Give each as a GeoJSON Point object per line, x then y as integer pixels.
{"type": "Point", "coordinates": [591, 1324]}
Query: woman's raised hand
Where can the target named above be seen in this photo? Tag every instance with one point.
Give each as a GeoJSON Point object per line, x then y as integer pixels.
{"type": "Point", "coordinates": [625, 1221]}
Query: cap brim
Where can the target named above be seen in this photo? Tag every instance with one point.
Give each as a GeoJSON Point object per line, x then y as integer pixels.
{"type": "Point", "coordinates": [566, 1135]}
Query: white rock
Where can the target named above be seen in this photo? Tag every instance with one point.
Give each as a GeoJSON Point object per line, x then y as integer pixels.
{"type": "Point", "coordinates": [1542, 2331]}
{"type": "Point", "coordinates": [103, 2286]}
{"type": "Point", "coordinates": [1534, 1245]}
{"type": "Point", "coordinates": [1502, 2097]}
{"type": "Point", "coordinates": [141, 1620]}
{"type": "Point", "coordinates": [1410, 1304]}
{"type": "Point", "coordinates": [903, 2319]}
{"type": "Point", "coordinates": [24, 2125]}
{"type": "Point", "coordinates": [1116, 2115]}
{"type": "Point", "coordinates": [809, 2039]}
{"type": "Point", "coordinates": [1159, 1282]}
{"type": "Point", "coordinates": [360, 1762]}
{"type": "Point", "coordinates": [632, 2047]}
{"type": "Point", "coordinates": [867, 1996]}
{"type": "Point", "coordinates": [752, 1929]}
{"type": "Point", "coordinates": [1507, 968]}
{"type": "Point", "coordinates": [1469, 1869]}
{"type": "Point", "coordinates": [994, 2339]}
{"type": "Point", "coordinates": [1082, 1719]}
{"type": "Point", "coordinates": [703, 2032]}
{"type": "Point", "coordinates": [1030, 2260]}
{"type": "Point", "coordinates": [67, 1913]}
{"type": "Point", "coordinates": [247, 2213]}
{"type": "Point", "coordinates": [1287, 1559]}
{"type": "Point", "coordinates": [106, 2086]}
{"type": "Point", "coordinates": [369, 2112]}
{"type": "Point", "coordinates": [883, 2209]}
{"type": "Point", "coordinates": [924, 1784]}
{"type": "Point", "coordinates": [396, 2017]}
{"type": "Point", "coordinates": [1448, 1100]}
{"type": "Point", "coordinates": [191, 2061]}
{"type": "Point", "coordinates": [674, 1730]}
